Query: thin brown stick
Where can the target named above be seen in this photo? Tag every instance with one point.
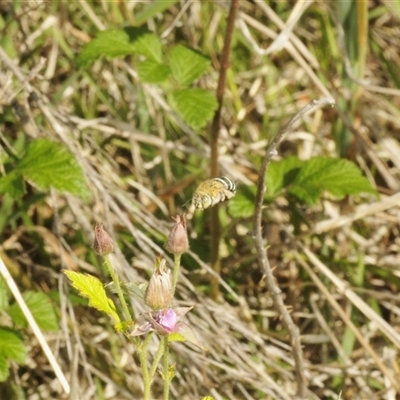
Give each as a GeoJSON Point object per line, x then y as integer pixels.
{"type": "Point", "coordinates": [263, 261]}
{"type": "Point", "coordinates": [215, 127]}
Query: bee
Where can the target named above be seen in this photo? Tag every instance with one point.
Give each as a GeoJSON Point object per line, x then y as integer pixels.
{"type": "Point", "coordinates": [211, 192]}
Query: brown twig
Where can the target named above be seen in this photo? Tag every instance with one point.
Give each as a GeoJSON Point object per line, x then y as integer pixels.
{"type": "Point", "coordinates": [262, 254]}
{"type": "Point", "coordinates": [215, 127]}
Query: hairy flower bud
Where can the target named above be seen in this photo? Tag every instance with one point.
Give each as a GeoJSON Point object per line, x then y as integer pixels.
{"type": "Point", "coordinates": [103, 244]}
{"type": "Point", "coordinates": [178, 241]}
{"type": "Point", "coordinates": [159, 293]}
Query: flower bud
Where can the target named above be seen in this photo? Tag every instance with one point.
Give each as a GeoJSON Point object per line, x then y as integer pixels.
{"type": "Point", "coordinates": [159, 292]}
{"type": "Point", "coordinates": [178, 241]}
{"type": "Point", "coordinates": [103, 244]}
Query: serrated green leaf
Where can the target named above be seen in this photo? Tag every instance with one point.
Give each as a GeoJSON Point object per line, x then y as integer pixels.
{"type": "Point", "coordinates": [281, 174]}
{"type": "Point", "coordinates": [153, 9]}
{"type": "Point", "coordinates": [12, 184]}
{"type": "Point", "coordinates": [121, 42]}
{"type": "Point", "coordinates": [11, 345]}
{"type": "Point", "coordinates": [147, 44]}
{"type": "Point", "coordinates": [4, 370]}
{"type": "Point", "coordinates": [49, 164]}
{"type": "Point", "coordinates": [196, 106]}
{"type": "Point", "coordinates": [242, 205]}
{"type": "Point", "coordinates": [41, 308]}
{"type": "Point", "coordinates": [337, 176]}
{"type": "Point", "coordinates": [187, 64]}
{"type": "Point", "coordinates": [152, 72]}
{"type": "Point", "coordinates": [90, 287]}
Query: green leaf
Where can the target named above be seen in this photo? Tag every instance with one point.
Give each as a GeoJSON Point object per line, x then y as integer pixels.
{"type": "Point", "coordinates": [152, 72]}
{"type": "Point", "coordinates": [152, 10]}
{"type": "Point", "coordinates": [49, 164]}
{"type": "Point", "coordinates": [242, 205]}
{"type": "Point", "coordinates": [187, 64]}
{"type": "Point", "coordinates": [121, 42]}
{"type": "Point", "coordinates": [281, 174]}
{"type": "Point", "coordinates": [4, 370]}
{"type": "Point", "coordinates": [337, 176]}
{"type": "Point", "coordinates": [90, 287]}
{"type": "Point", "coordinates": [41, 308]}
{"type": "Point", "coordinates": [196, 106]}
{"type": "Point", "coordinates": [12, 184]}
{"type": "Point", "coordinates": [11, 345]}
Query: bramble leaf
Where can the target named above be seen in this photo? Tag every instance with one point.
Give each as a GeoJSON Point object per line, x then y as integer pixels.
{"type": "Point", "coordinates": [121, 42]}
{"type": "Point", "coordinates": [187, 64]}
{"type": "Point", "coordinates": [48, 164]}
{"type": "Point", "coordinates": [11, 345]}
{"type": "Point", "coordinates": [4, 370]}
{"type": "Point", "coordinates": [152, 72]}
{"type": "Point", "coordinates": [337, 176]}
{"type": "Point", "coordinates": [281, 175]}
{"type": "Point", "coordinates": [242, 205]}
{"type": "Point", "coordinates": [12, 184]}
{"type": "Point", "coordinates": [196, 106]}
{"type": "Point", "coordinates": [90, 287]}
{"type": "Point", "coordinates": [41, 308]}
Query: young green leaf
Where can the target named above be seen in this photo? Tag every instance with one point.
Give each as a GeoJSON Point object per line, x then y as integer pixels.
{"type": "Point", "coordinates": [121, 42]}
{"type": "Point", "coordinates": [4, 370]}
{"type": "Point", "coordinates": [242, 205]}
{"type": "Point", "coordinates": [281, 175]}
{"type": "Point", "coordinates": [11, 345]}
{"type": "Point", "coordinates": [196, 106]}
{"type": "Point", "coordinates": [337, 176]}
{"type": "Point", "coordinates": [41, 308]}
{"type": "Point", "coordinates": [90, 287]}
{"type": "Point", "coordinates": [152, 72]}
{"type": "Point", "coordinates": [12, 184]}
{"type": "Point", "coordinates": [187, 64]}
{"type": "Point", "coordinates": [49, 164]}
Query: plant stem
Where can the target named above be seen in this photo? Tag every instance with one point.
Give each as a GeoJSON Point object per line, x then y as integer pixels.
{"type": "Point", "coordinates": [177, 263]}
{"type": "Point", "coordinates": [145, 370]}
{"type": "Point", "coordinates": [114, 277]}
{"type": "Point", "coordinates": [167, 379]}
{"type": "Point", "coordinates": [156, 360]}
{"type": "Point", "coordinates": [262, 256]}
{"type": "Point", "coordinates": [214, 134]}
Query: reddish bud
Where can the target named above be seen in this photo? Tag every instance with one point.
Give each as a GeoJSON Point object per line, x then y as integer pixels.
{"type": "Point", "coordinates": [103, 244]}
{"type": "Point", "coordinates": [178, 241]}
{"type": "Point", "coordinates": [159, 293]}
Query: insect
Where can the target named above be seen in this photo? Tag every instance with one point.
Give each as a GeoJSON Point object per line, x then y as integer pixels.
{"type": "Point", "coordinates": [211, 192]}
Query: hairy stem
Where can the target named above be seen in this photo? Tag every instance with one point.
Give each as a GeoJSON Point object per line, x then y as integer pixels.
{"type": "Point", "coordinates": [167, 379]}
{"type": "Point", "coordinates": [175, 273]}
{"type": "Point", "coordinates": [145, 370]}
{"type": "Point", "coordinates": [114, 277]}
{"type": "Point", "coordinates": [156, 361]}
{"type": "Point", "coordinates": [263, 261]}
{"type": "Point", "coordinates": [215, 127]}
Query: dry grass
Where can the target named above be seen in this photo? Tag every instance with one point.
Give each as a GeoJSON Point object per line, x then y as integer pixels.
{"type": "Point", "coordinates": [340, 276]}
